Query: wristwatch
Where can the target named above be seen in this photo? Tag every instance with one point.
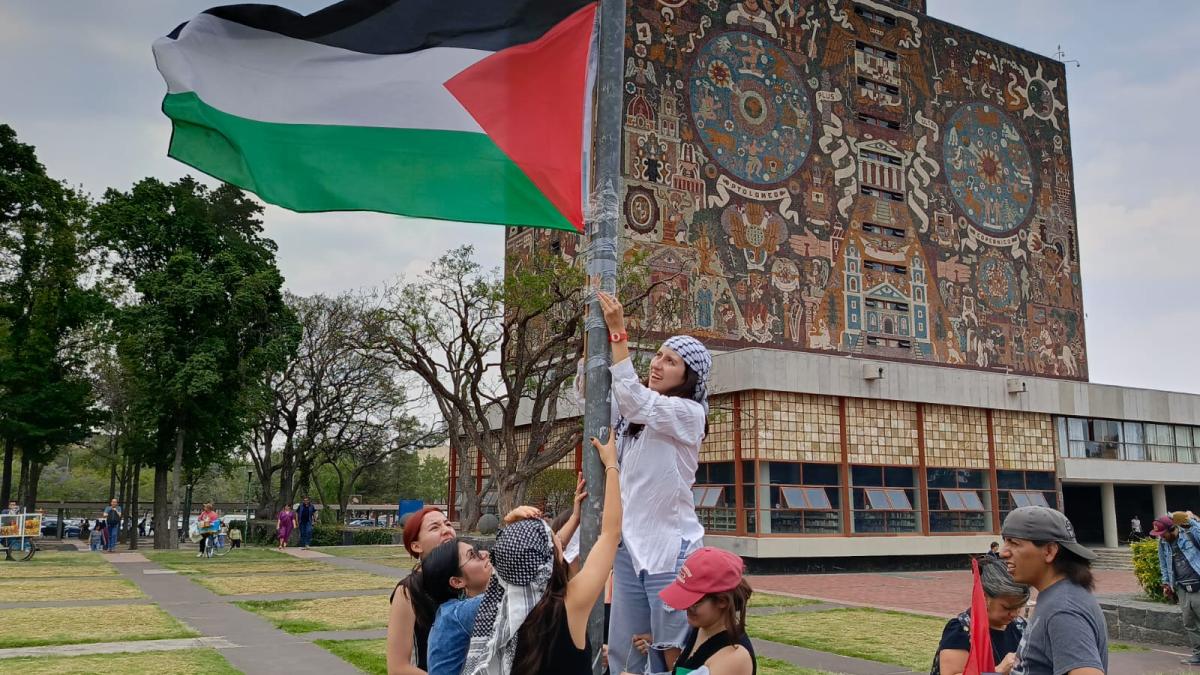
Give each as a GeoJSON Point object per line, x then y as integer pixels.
{"type": "Point", "coordinates": [618, 337]}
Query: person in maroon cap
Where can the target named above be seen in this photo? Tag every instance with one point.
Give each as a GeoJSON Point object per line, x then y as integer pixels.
{"type": "Point", "coordinates": [1179, 564]}
{"type": "Point", "coordinates": [710, 587]}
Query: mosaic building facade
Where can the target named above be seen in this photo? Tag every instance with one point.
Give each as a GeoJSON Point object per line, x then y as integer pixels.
{"type": "Point", "coordinates": [853, 178]}
{"type": "Point", "coordinates": [823, 184]}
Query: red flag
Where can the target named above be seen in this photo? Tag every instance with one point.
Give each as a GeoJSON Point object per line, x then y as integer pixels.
{"type": "Point", "coordinates": [980, 659]}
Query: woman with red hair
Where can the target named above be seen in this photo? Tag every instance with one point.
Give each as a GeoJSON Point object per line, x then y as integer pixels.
{"type": "Point", "coordinates": [411, 612]}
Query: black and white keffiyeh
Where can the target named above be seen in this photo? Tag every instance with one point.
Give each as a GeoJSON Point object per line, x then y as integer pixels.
{"type": "Point", "coordinates": [696, 356]}
{"type": "Point", "coordinates": [523, 559]}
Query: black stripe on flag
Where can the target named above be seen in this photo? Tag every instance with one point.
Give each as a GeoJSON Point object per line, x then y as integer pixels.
{"type": "Point", "coordinates": [402, 26]}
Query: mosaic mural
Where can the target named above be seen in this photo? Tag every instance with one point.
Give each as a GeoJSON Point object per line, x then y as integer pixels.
{"type": "Point", "coordinates": [852, 177]}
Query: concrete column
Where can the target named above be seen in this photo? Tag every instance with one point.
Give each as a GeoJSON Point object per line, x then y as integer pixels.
{"type": "Point", "coordinates": [764, 498]}
{"type": "Point", "coordinates": [1158, 493]}
{"type": "Point", "coordinates": [1108, 510]}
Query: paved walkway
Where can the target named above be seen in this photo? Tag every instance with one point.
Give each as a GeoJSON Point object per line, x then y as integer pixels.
{"type": "Point", "coordinates": [349, 563]}
{"type": "Point", "coordinates": [257, 647]}
{"type": "Point", "coordinates": [136, 646]}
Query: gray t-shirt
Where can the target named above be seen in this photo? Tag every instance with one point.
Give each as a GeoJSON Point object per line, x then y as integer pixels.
{"type": "Point", "coordinates": [1067, 632]}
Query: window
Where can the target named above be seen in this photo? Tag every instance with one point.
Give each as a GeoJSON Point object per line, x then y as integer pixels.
{"type": "Point", "coordinates": [878, 52]}
{"type": "Point", "coordinates": [1183, 445]}
{"type": "Point", "coordinates": [1134, 441]}
{"type": "Point", "coordinates": [882, 194]}
{"type": "Point", "coordinates": [872, 228]}
{"type": "Point", "coordinates": [884, 499]}
{"type": "Point", "coordinates": [879, 157]}
{"type": "Point", "coordinates": [1161, 438]}
{"type": "Point", "coordinates": [715, 505]}
{"type": "Point", "coordinates": [955, 501]}
{"type": "Point", "coordinates": [878, 121]}
{"type": "Point", "coordinates": [877, 87]}
{"type": "Point", "coordinates": [875, 17]}
{"type": "Point", "coordinates": [884, 267]}
{"type": "Point", "coordinates": [1025, 488]}
{"type": "Point", "coordinates": [805, 498]}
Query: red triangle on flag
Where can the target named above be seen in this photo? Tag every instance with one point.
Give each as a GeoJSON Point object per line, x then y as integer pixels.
{"type": "Point", "coordinates": [530, 100]}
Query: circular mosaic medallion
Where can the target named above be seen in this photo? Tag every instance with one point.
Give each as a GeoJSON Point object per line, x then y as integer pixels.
{"type": "Point", "coordinates": [988, 168]}
{"type": "Point", "coordinates": [997, 283]}
{"type": "Point", "coordinates": [749, 108]}
{"type": "Point", "coordinates": [641, 210]}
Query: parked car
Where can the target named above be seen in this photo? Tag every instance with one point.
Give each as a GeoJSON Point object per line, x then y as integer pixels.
{"type": "Point", "coordinates": [362, 522]}
{"type": "Point", "coordinates": [50, 527]}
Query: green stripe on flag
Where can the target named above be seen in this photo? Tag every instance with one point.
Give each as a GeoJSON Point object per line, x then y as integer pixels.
{"type": "Point", "coordinates": [447, 175]}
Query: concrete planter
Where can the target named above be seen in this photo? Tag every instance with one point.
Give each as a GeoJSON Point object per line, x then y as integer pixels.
{"type": "Point", "coordinates": [1135, 620]}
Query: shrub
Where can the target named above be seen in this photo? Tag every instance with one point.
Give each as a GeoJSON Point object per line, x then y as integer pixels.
{"type": "Point", "coordinates": [334, 535]}
{"type": "Point", "coordinates": [1145, 567]}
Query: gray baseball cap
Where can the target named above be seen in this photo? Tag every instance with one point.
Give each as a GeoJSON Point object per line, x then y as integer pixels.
{"type": "Point", "coordinates": [1041, 523]}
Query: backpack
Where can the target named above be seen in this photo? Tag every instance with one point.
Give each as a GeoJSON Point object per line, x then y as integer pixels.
{"type": "Point", "coordinates": [112, 518]}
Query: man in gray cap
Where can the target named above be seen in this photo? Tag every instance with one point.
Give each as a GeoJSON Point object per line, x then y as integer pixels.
{"type": "Point", "coordinates": [1067, 634]}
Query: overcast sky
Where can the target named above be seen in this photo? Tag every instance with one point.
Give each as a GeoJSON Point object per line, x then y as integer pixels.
{"type": "Point", "coordinates": [77, 80]}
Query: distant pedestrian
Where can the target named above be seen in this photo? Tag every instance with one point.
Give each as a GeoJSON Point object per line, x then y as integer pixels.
{"type": "Point", "coordinates": [285, 524]}
{"type": "Point", "coordinates": [1179, 564]}
{"type": "Point", "coordinates": [1006, 599]}
{"type": "Point", "coordinates": [307, 514]}
{"type": "Point", "coordinates": [1067, 633]}
{"type": "Point", "coordinates": [142, 527]}
{"type": "Point", "coordinates": [99, 538]}
{"type": "Point", "coordinates": [206, 526]}
{"type": "Point", "coordinates": [1135, 529]}
{"type": "Point", "coordinates": [235, 537]}
{"type": "Point", "coordinates": [112, 523]}
{"type": "Point", "coordinates": [994, 550]}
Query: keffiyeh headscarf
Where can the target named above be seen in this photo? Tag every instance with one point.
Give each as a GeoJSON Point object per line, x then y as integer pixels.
{"type": "Point", "coordinates": [696, 356]}
{"type": "Point", "coordinates": [523, 558]}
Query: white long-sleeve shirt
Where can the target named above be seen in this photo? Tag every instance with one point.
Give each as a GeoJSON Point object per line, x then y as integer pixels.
{"type": "Point", "coordinates": [658, 468]}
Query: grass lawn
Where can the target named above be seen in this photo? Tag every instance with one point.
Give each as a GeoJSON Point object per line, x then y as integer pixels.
{"type": "Point", "coordinates": [776, 667]}
{"type": "Point", "coordinates": [891, 637]}
{"type": "Point", "coordinates": [33, 590]}
{"type": "Point", "coordinates": [73, 625]}
{"type": "Point", "coordinates": [255, 584]}
{"type": "Point", "coordinates": [392, 556]}
{"type": "Point", "coordinates": [770, 600]}
{"type": "Point", "coordinates": [305, 616]}
{"type": "Point", "coordinates": [32, 569]}
{"type": "Point", "coordinates": [1122, 647]}
{"type": "Point", "coordinates": [170, 558]}
{"type": "Point", "coordinates": [59, 558]}
{"type": "Point", "coordinates": [369, 656]}
{"type": "Point", "coordinates": [182, 662]}
{"type": "Point", "coordinates": [250, 567]}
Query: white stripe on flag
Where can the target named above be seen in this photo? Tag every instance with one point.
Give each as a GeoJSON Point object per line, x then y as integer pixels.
{"type": "Point", "coordinates": [269, 77]}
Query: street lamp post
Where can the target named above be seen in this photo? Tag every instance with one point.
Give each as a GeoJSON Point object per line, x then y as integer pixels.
{"type": "Point", "coordinates": [249, 509]}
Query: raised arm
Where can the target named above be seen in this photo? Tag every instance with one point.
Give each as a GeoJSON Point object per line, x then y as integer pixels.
{"type": "Point", "coordinates": [584, 589]}
{"type": "Point", "coordinates": [568, 529]}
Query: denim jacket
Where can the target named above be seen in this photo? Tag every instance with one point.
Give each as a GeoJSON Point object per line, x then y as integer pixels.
{"type": "Point", "coordinates": [1187, 544]}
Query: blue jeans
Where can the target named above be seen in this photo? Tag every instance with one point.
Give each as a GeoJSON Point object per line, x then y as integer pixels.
{"type": "Point", "coordinates": [113, 531]}
{"type": "Point", "coordinates": [636, 609]}
{"type": "Point", "coordinates": [306, 530]}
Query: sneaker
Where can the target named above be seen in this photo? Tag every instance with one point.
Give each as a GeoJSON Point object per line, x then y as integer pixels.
{"type": "Point", "coordinates": [199, 555]}
{"type": "Point", "coordinates": [1194, 660]}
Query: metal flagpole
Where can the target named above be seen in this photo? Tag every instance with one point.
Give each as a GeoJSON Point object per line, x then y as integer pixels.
{"type": "Point", "coordinates": [602, 273]}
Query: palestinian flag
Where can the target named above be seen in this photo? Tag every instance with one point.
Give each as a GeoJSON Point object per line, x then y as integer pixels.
{"type": "Point", "coordinates": [468, 110]}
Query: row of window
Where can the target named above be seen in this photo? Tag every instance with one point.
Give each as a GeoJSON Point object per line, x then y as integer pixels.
{"type": "Point", "coordinates": [878, 121]}
{"type": "Point", "coordinates": [872, 228]}
{"type": "Point", "coordinates": [880, 157]}
{"type": "Point", "coordinates": [1138, 441]}
{"type": "Point", "coordinates": [878, 52]}
{"type": "Point", "coordinates": [806, 498]}
{"type": "Point", "coordinates": [867, 84]}
{"type": "Point", "coordinates": [880, 193]}
{"type": "Point", "coordinates": [877, 341]}
{"type": "Point", "coordinates": [884, 267]}
{"type": "Point", "coordinates": [874, 17]}
{"type": "Point", "coordinates": [886, 304]}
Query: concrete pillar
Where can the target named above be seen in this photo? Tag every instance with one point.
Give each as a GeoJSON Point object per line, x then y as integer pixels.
{"type": "Point", "coordinates": [1158, 493]}
{"type": "Point", "coordinates": [1108, 510]}
{"type": "Point", "coordinates": [763, 498]}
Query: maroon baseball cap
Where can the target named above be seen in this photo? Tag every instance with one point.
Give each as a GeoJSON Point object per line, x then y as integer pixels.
{"type": "Point", "coordinates": [1161, 526]}
{"type": "Point", "coordinates": [708, 570]}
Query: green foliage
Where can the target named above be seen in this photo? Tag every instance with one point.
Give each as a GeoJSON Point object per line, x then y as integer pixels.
{"type": "Point", "coordinates": [553, 489]}
{"type": "Point", "coordinates": [333, 535]}
{"type": "Point", "coordinates": [1145, 567]}
{"type": "Point", "coordinates": [209, 317]}
{"type": "Point", "coordinates": [45, 306]}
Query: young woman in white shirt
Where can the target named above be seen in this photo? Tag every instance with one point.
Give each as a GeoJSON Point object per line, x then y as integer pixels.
{"type": "Point", "coordinates": [660, 424]}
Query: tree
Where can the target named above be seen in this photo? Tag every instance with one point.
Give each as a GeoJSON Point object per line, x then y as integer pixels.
{"type": "Point", "coordinates": [496, 352]}
{"type": "Point", "coordinates": [432, 478]}
{"type": "Point", "coordinates": [207, 321]}
{"type": "Point", "coordinates": [45, 256]}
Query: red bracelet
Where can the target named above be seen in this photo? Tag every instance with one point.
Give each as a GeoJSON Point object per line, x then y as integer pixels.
{"type": "Point", "coordinates": [618, 337]}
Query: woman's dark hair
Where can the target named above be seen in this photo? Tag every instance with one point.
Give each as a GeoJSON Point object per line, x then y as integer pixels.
{"type": "Point", "coordinates": [685, 389]}
{"type": "Point", "coordinates": [537, 634]}
{"type": "Point", "coordinates": [560, 520]}
{"type": "Point", "coordinates": [735, 601]}
{"type": "Point", "coordinates": [436, 569]}
{"type": "Point", "coordinates": [424, 612]}
{"type": "Point", "coordinates": [1077, 570]}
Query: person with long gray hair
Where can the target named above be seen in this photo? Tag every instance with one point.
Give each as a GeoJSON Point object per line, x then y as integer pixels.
{"type": "Point", "coordinates": [1006, 599]}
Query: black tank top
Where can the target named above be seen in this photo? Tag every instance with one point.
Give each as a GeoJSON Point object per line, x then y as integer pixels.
{"type": "Point", "coordinates": [563, 657]}
{"type": "Point", "coordinates": [689, 660]}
